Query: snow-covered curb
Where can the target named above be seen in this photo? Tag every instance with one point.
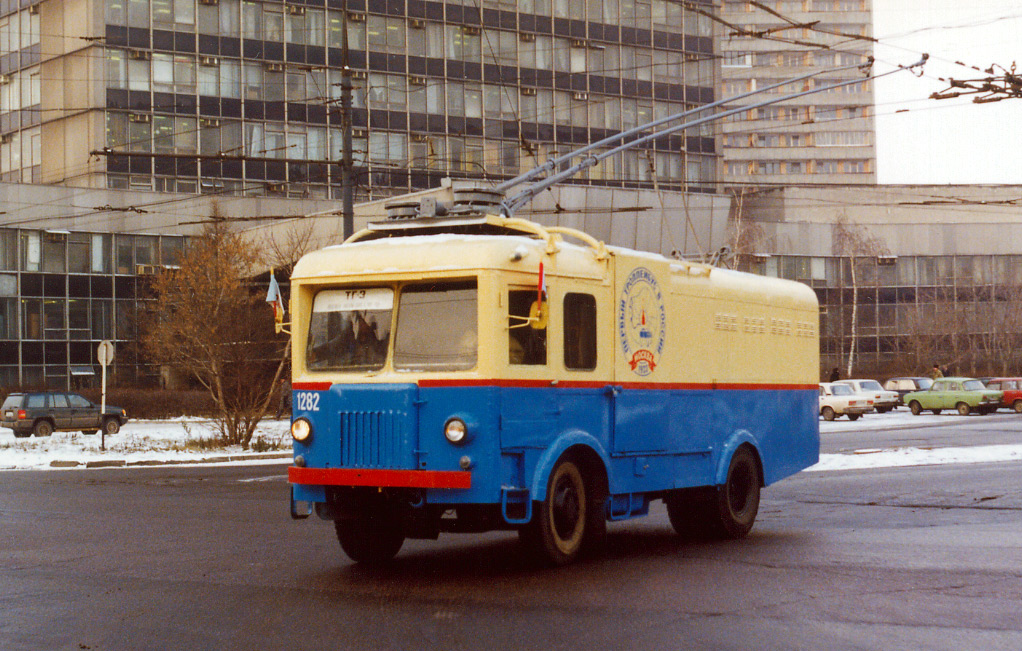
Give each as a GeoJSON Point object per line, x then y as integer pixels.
{"type": "Point", "coordinates": [177, 441]}
{"type": "Point", "coordinates": [141, 443]}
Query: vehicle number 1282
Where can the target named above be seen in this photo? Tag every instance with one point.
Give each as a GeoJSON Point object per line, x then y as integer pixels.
{"type": "Point", "coordinates": [307, 401]}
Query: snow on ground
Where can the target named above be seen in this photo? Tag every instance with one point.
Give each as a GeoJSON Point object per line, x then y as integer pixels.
{"type": "Point", "coordinates": [140, 442]}
{"type": "Point", "coordinates": [151, 442]}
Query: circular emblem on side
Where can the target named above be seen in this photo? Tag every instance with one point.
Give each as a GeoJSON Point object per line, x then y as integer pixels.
{"type": "Point", "coordinates": [642, 321]}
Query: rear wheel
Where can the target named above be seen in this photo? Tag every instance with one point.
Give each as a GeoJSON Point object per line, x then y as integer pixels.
{"type": "Point", "coordinates": [936, 412]}
{"type": "Point", "coordinates": [1017, 406]}
{"type": "Point", "coordinates": [963, 409]}
{"type": "Point", "coordinates": [89, 432]}
{"type": "Point", "coordinates": [828, 413]}
{"type": "Point", "coordinates": [915, 407]}
{"type": "Point", "coordinates": [853, 416]}
{"type": "Point", "coordinates": [42, 428]}
{"type": "Point", "coordinates": [738, 498]}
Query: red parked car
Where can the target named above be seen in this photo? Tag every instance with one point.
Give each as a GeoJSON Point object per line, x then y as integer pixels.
{"type": "Point", "coordinates": [1012, 388]}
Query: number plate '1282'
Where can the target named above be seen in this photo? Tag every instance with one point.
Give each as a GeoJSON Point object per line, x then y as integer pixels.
{"type": "Point", "coordinates": [307, 401]}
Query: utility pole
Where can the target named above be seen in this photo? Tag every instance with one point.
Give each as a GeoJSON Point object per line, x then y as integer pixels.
{"type": "Point", "coordinates": [347, 200]}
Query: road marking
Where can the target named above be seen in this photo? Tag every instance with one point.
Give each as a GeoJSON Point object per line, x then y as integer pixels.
{"type": "Point", "coordinates": [270, 478]}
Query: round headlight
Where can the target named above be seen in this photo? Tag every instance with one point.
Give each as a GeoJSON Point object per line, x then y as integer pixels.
{"type": "Point", "coordinates": [301, 430]}
{"type": "Point", "coordinates": [455, 430]}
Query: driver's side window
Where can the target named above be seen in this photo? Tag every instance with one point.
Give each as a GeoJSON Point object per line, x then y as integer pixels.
{"type": "Point", "coordinates": [526, 345]}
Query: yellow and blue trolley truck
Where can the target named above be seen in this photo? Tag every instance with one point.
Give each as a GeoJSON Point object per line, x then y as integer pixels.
{"type": "Point", "coordinates": [480, 373]}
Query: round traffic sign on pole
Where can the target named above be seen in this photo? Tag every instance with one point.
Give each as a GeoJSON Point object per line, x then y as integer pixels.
{"type": "Point", "coordinates": [105, 352]}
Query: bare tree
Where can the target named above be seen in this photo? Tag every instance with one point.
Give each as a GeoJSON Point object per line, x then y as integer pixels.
{"type": "Point", "coordinates": [211, 323]}
{"type": "Point", "coordinates": [854, 241]}
{"type": "Point", "coordinates": [745, 237]}
{"type": "Point", "coordinates": [284, 247]}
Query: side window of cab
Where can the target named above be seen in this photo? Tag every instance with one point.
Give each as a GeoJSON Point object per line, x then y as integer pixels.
{"type": "Point", "coordinates": [526, 344]}
{"type": "Point", "coordinates": [579, 332]}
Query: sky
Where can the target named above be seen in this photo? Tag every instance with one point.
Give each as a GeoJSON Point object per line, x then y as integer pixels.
{"type": "Point", "coordinates": [952, 141]}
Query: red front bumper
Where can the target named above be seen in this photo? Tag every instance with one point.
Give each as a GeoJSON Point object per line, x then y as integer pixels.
{"type": "Point", "coordinates": [377, 477]}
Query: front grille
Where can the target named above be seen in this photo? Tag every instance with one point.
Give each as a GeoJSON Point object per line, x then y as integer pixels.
{"type": "Point", "coordinates": [374, 439]}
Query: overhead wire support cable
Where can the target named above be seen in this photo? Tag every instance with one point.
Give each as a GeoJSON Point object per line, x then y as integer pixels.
{"type": "Point", "coordinates": [554, 163]}
{"type": "Point", "coordinates": [511, 204]}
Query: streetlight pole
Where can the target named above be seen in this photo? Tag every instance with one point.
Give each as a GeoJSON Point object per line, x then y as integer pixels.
{"type": "Point", "coordinates": [347, 201]}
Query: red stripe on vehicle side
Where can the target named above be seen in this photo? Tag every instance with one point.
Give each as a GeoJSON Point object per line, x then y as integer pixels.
{"type": "Point", "coordinates": [569, 384]}
{"type": "Point", "coordinates": [312, 386]}
{"type": "Point", "coordinates": [380, 477]}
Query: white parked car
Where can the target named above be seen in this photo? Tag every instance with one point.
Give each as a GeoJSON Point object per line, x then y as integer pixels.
{"type": "Point", "coordinates": [883, 400]}
{"type": "Point", "coordinates": [839, 400]}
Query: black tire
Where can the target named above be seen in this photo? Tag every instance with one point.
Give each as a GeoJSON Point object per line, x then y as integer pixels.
{"type": "Point", "coordinates": [963, 409]}
{"type": "Point", "coordinates": [853, 416]}
{"type": "Point", "coordinates": [562, 522]}
{"type": "Point", "coordinates": [738, 499]}
{"type": "Point", "coordinates": [90, 432]}
{"type": "Point", "coordinates": [22, 434]}
{"type": "Point", "coordinates": [42, 428]}
{"type": "Point", "coordinates": [915, 407]}
{"type": "Point", "coordinates": [371, 538]}
{"type": "Point", "coordinates": [111, 426]}
{"type": "Point", "coordinates": [936, 412]}
{"type": "Point", "coordinates": [828, 413]}
{"type": "Point", "coordinates": [691, 512]}
{"type": "Point", "coordinates": [1017, 406]}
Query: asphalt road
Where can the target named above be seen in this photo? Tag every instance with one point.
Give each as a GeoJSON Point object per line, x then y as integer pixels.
{"type": "Point", "coordinates": [207, 558]}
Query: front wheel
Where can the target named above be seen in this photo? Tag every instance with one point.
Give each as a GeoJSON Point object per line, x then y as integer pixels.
{"type": "Point", "coordinates": [963, 409]}
{"type": "Point", "coordinates": [828, 413]}
{"type": "Point", "coordinates": [936, 412]}
{"type": "Point", "coordinates": [558, 527]}
{"type": "Point", "coordinates": [370, 538]}
{"type": "Point", "coordinates": [1017, 406]}
{"type": "Point", "coordinates": [915, 407]}
{"type": "Point", "coordinates": [111, 426]}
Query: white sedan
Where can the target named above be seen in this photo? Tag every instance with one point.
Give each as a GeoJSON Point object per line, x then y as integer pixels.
{"type": "Point", "coordinates": [839, 400]}
{"type": "Point", "coordinates": [883, 400]}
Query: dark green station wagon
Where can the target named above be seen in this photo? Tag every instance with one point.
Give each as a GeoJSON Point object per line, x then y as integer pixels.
{"type": "Point", "coordinates": [43, 412]}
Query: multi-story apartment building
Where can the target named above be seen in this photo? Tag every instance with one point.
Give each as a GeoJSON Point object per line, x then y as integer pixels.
{"type": "Point", "coordinates": [826, 138]}
{"type": "Point", "coordinates": [242, 97]}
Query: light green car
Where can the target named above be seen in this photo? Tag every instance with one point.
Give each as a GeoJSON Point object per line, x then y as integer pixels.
{"type": "Point", "coordinates": [961, 393]}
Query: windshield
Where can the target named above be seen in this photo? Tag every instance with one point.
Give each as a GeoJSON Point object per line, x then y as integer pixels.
{"type": "Point", "coordinates": [349, 329]}
{"type": "Point", "coordinates": [436, 327]}
{"type": "Point", "coordinates": [925, 382]}
{"type": "Point", "coordinates": [974, 385]}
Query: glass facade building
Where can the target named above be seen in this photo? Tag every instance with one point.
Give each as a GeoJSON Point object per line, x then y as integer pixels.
{"type": "Point", "coordinates": [911, 312]}
{"type": "Point", "coordinates": [62, 292]}
{"type": "Point", "coordinates": [243, 97]}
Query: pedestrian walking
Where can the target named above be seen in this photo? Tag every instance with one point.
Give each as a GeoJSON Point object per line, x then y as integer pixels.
{"type": "Point", "coordinates": [284, 402]}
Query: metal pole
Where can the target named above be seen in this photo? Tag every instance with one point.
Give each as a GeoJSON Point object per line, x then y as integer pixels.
{"type": "Point", "coordinates": [347, 200]}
